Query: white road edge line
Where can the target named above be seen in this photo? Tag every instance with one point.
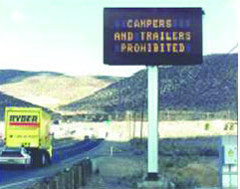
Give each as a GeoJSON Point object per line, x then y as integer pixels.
{"type": "Point", "coordinates": [71, 159]}
{"type": "Point", "coordinates": [22, 182]}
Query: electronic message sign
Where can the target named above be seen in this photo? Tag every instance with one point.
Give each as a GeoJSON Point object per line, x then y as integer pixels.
{"type": "Point", "coordinates": [152, 36]}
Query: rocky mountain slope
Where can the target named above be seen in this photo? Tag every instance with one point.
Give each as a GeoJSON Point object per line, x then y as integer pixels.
{"type": "Point", "coordinates": [12, 76]}
{"type": "Point", "coordinates": [211, 87]}
{"type": "Point", "coordinates": [9, 101]}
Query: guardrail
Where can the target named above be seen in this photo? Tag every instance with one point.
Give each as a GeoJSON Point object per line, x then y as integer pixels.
{"type": "Point", "coordinates": [70, 178]}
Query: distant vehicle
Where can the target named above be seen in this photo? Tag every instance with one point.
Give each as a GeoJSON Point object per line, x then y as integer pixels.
{"type": "Point", "coordinates": [27, 137]}
{"type": "Point", "coordinates": [56, 122]}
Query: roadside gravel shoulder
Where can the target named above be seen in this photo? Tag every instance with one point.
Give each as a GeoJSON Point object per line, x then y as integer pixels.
{"type": "Point", "coordinates": [115, 166]}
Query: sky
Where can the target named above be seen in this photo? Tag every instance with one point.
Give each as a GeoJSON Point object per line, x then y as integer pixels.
{"type": "Point", "coordinates": [67, 35]}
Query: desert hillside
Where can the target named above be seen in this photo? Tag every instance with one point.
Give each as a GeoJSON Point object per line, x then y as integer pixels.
{"type": "Point", "coordinates": [208, 87]}
{"type": "Point", "coordinates": [9, 101]}
{"type": "Point", "coordinates": [50, 89]}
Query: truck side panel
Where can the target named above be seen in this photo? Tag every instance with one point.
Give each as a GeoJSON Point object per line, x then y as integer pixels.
{"type": "Point", "coordinates": [22, 127]}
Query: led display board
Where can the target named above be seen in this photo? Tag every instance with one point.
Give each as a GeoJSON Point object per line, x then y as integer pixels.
{"type": "Point", "coordinates": [152, 36]}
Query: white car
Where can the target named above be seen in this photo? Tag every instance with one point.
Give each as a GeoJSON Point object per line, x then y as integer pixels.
{"type": "Point", "coordinates": [15, 156]}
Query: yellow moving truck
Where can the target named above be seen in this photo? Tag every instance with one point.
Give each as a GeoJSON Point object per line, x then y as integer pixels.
{"type": "Point", "coordinates": [27, 137]}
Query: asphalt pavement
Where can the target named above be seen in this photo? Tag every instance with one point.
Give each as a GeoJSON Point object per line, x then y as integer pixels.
{"type": "Point", "coordinates": [15, 176]}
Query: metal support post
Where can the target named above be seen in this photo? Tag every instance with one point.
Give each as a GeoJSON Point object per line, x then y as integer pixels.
{"type": "Point", "coordinates": [152, 123]}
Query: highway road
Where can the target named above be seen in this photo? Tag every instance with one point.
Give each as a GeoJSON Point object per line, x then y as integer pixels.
{"type": "Point", "coordinates": [13, 176]}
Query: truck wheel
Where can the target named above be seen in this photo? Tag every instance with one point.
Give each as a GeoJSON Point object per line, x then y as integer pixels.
{"type": "Point", "coordinates": [34, 159]}
{"type": "Point", "coordinates": [49, 161]}
{"type": "Point", "coordinates": [43, 159]}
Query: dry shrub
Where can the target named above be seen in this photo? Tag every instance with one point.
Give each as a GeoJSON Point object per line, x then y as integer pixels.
{"type": "Point", "coordinates": [119, 166]}
{"type": "Point", "coordinates": [201, 174]}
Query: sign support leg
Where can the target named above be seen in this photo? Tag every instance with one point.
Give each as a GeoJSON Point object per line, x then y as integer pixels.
{"type": "Point", "coordinates": [152, 123]}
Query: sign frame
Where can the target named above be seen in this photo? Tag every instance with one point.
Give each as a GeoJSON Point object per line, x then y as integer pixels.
{"type": "Point", "coordinates": [114, 55]}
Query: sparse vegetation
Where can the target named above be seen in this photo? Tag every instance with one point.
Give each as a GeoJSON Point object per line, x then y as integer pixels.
{"type": "Point", "coordinates": [206, 88]}
{"type": "Point", "coordinates": [194, 174]}
{"type": "Point", "coordinates": [183, 161]}
{"type": "Point", "coordinates": [6, 100]}
{"type": "Point", "coordinates": [9, 101]}
{"type": "Point", "coordinates": [199, 92]}
{"type": "Point", "coordinates": [207, 126]}
{"type": "Point", "coordinates": [183, 171]}
{"type": "Point", "coordinates": [185, 147]}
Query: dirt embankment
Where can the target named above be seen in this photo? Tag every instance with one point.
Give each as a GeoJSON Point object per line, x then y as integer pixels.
{"type": "Point", "coordinates": [122, 165]}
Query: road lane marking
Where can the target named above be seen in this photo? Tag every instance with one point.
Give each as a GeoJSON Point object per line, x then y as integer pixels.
{"type": "Point", "coordinates": [21, 182]}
